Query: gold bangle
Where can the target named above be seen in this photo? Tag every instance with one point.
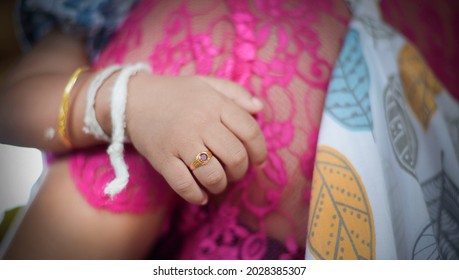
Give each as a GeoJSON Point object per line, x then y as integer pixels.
{"type": "Point", "coordinates": [65, 106]}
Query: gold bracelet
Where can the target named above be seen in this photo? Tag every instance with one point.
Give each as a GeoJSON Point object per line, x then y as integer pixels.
{"type": "Point", "coordinates": [65, 106]}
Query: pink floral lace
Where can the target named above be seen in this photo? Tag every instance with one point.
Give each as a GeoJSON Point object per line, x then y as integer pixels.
{"type": "Point", "coordinates": [282, 52]}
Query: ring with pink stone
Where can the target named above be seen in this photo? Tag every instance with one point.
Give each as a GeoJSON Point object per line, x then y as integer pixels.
{"type": "Point", "coordinates": [201, 159]}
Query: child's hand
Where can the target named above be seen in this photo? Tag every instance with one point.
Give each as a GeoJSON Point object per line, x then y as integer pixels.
{"type": "Point", "coordinates": [172, 119]}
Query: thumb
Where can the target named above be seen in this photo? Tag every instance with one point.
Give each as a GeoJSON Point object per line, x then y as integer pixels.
{"type": "Point", "coordinates": [235, 92]}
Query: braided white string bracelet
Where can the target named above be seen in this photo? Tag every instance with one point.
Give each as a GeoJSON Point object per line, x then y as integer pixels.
{"type": "Point", "coordinates": [91, 125]}
{"type": "Point", "coordinates": [118, 108]}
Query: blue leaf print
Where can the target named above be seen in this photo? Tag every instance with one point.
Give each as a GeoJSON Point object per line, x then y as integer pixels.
{"type": "Point", "coordinates": [347, 98]}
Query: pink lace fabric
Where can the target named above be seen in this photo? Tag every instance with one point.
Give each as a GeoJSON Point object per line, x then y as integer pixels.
{"type": "Point", "coordinates": [282, 52]}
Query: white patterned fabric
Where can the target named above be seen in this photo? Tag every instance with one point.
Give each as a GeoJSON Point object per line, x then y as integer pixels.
{"type": "Point", "coordinates": [385, 183]}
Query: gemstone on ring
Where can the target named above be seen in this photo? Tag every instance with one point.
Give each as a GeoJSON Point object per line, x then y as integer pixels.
{"type": "Point", "coordinates": [201, 159]}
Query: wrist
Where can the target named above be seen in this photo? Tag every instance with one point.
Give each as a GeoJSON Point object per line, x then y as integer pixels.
{"type": "Point", "coordinates": [101, 109]}
{"type": "Point", "coordinates": [102, 104]}
{"type": "Point", "coordinates": [76, 110]}
{"type": "Point", "coordinates": [139, 85]}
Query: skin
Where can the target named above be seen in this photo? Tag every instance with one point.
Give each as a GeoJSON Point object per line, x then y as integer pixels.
{"type": "Point", "coordinates": [164, 125]}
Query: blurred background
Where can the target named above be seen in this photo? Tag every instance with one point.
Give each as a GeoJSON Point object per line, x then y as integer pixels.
{"type": "Point", "coordinates": [19, 167]}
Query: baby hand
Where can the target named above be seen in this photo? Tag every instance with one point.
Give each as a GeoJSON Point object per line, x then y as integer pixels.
{"type": "Point", "coordinates": [170, 120]}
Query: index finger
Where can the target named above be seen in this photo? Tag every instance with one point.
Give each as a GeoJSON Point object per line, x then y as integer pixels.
{"type": "Point", "coordinates": [235, 92]}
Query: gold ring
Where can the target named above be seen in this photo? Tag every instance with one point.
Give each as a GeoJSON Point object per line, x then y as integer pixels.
{"type": "Point", "coordinates": [201, 159]}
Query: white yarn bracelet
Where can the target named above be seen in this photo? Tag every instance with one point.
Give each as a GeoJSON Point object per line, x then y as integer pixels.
{"type": "Point", "coordinates": [91, 125]}
{"type": "Point", "coordinates": [118, 108]}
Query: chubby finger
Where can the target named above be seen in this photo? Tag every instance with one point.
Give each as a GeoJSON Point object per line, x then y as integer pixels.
{"type": "Point", "coordinates": [229, 150]}
{"type": "Point", "coordinates": [178, 176]}
{"type": "Point", "coordinates": [235, 92]}
{"type": "Point", "coordinates": [246, 128]}
{"type": "Point", "coordinates": [211, 175]}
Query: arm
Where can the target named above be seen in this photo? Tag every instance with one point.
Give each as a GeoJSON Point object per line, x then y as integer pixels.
{"type": "Point", "coordinates": [31, 94]}
{"type": "Point", "coordinates": [169, 119]}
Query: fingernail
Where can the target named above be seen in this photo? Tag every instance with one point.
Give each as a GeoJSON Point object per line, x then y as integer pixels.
{"type": "Point", "coordinates": [204, 202]}
{"type": "Point", "coordinates": [257, 102]}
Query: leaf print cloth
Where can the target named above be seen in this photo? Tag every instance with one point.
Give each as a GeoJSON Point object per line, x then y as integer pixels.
{"type": "Point", "coordinates": [347, 99]}
{"type": "Point", "coordinates": [442, 198]}
{"type": "Point", "coordinates": [340, 211]}
{"type": "Point", "coordinates": [399, 127]}
{"type": "Point", "coordinates": [419, 83]}
{"type": "Point", "coordinates": [391, 127]}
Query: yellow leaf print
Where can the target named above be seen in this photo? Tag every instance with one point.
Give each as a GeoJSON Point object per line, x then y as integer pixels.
{"type": "Point", "coordinates": [419, 83]}
{"type": "Point", "coordinates": [341, 222]}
